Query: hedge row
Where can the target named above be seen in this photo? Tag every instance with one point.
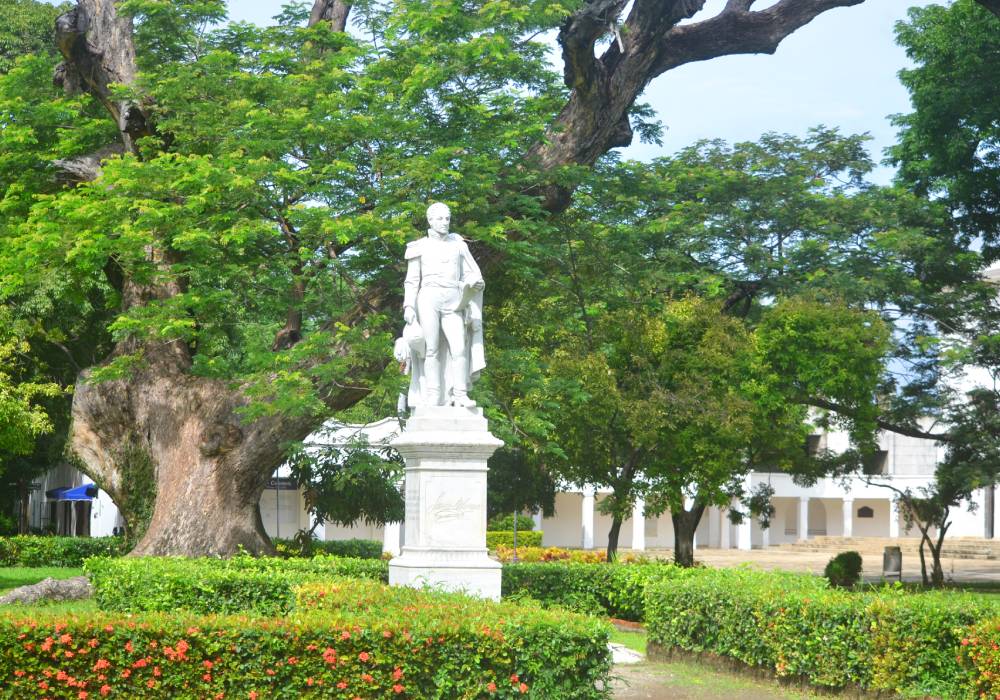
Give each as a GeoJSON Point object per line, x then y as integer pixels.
{"type": "Point", "coordinates": [979, 654]}
{"type": "Point", "coordinates": [357, 549]}
{"type": "Point", "coordinates": [616, 590]}
{"type": "Point", "coordinates": [263, 586]}
{"type": "Point", "coordinates": [505, 538]}
{"type": "Point", "coordinates": [792, 624]}
{"type": "Point", "coordinates": [400, 643]}
{"type": "Point", "coordinates": [41, 550]}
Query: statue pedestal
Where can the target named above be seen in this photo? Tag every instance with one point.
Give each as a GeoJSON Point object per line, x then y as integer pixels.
{"type": "Point", "coordinates": [445, 449]}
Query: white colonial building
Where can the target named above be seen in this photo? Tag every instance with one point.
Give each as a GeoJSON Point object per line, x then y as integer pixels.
{"type": "Point", "coordinates": [855, 507]}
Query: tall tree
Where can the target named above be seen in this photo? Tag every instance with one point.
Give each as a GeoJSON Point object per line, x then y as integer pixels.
{"type": "Point", "coordinates": [27, 27]}
{"type": "Point", "coordinates": [249, 234]}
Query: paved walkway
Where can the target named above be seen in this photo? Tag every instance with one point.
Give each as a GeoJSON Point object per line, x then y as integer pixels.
{"type": "Point", "coordinates": [958, 570]}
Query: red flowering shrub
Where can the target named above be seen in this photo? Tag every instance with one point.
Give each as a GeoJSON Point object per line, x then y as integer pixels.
{"type": "Point", "coordinates": [346, 639]}
{"type": "Point", "coordinates": [979, 654]}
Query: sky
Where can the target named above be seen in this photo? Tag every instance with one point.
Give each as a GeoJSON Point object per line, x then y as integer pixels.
{"type": "Point", "coordinates": [839, 70]}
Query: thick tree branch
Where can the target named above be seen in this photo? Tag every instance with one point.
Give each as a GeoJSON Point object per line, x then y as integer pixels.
{"type": "Point", "coordinates": [882, 423]}
{"type": "Point", "coordinates": [87, 168]}
{"type": "Point", "coordinates": [97, 46]}
{"type": "Point", "coordinates": [333, 11]}
{"type": "Point", "coordinates": [736, 30]}
{"type": "Point", "coordinates": [578, 36]}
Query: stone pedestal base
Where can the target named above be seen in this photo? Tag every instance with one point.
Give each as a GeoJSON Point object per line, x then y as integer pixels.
{"type": "Point", "coordinates": [445, 449]}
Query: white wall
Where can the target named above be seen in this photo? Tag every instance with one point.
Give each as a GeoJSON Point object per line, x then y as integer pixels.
{"type": "Point", "coordinates": [564, 529]}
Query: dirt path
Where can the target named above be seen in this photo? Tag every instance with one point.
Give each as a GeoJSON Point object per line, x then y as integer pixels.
{"type": "Point", "coordinates": [680, 680]}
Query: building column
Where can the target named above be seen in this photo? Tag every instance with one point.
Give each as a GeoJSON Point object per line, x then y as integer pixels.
{"type": "Point", "coordinates": [587, 517]}
{"type": "Point", "coordinates": [803, 520]}
{"type": "Point", "coordinates": [893, 518]}
{"type": "Point", "coordinates": [848, 513]}
{"type": "Point", "coordinates": [317, 528]}
{"type": "Point", "coordinates": [744, 532]}
{"type": "Point", "coordinates": [537, 517]}
{"type": "Point", "coordinates": [639, 525]}
{"type": "Point", "coordinates": [390, 538]}
{"type": "Point", "coordinates": [723, 529]}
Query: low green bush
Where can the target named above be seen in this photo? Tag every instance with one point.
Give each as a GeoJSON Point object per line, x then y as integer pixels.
{"type": "Point", "coordinates": [42, 550]}
{"type": "Point", "coordinates": [352, 639]}
{"type": "Point", "coordinates": [979, 654]}
{"type": "Point", "coordinates": [527, 538]}
{"type": "Point", "coordinates": [358, 549]}
{"type": "Point", "coordinates": [262, 586]}
{"type": "Point", "coordinates": [843, 570]}
{"type": "Point", "coordinates": [616, 590]}
{"type": "Point", "coordinates": [506, 522]}
{"type": "Point", "coordinates": [796, 626]}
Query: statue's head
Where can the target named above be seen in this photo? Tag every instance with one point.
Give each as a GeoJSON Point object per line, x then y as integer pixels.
{"type": "Point", "coordinates": [438, 218]}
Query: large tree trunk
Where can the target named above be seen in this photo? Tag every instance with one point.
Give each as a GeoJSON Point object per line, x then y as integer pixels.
{"type": "Point", "coordinates": [169, 447]}
{"type": "Point", "coordinates": [685, 525]}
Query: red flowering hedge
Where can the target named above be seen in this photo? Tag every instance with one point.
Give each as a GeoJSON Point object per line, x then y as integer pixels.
{"type": "Point", "coordinates": [347, 639]}
{"type": "Point", "coordinates": [979, 654]}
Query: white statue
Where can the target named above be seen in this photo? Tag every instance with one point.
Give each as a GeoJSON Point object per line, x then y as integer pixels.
{"type": "Point", "coordinates": [443, 310]}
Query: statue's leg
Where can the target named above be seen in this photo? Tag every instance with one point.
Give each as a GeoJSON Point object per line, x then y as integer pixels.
{"type": "Point", "coordinates": [453, 326]}
{"type": "Point", "coordinates": [430, 322]}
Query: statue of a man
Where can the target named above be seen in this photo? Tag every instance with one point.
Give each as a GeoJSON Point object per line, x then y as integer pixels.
{"type": "Point", "coordinates": [443, 310]}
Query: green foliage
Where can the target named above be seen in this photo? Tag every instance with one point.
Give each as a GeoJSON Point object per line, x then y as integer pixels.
{"type": "Point", "coordinates": [948, 146]}
{"type": "Point", "coordinates": [980, 657]}
{"type": "Point", "coordinates": [843, 570]}
{"type": "Point", "coordinates": [241, 584]}
{"type": "Point", "coordinates": [794, 626]}
{"type": "Point", "coordinates": [345, 484]}
{"type": "Point", "coordinates": [506, 522]}
{"type": "Point", "coordinates": [27, 27]}
{"type": "Point", "coordinates": [615, 590]}
{"type": "Point", "coordinates": [357, 549]}
{"type": "Point", "coordinates": [525, 538]}
{"type": "Point", "coordinates": [21, 418]}
{"type": "Point", "coordinates": [516, 481]}
{"type": "Point", "coordinates": [137, 494]}
{"type": "Point", "coordinates": [44, 551]}
{"type": "Point", "coordinates": [351, 639]}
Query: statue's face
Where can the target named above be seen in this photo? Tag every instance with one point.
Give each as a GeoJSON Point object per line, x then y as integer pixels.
{"type": "Point", "coordinates": [438, 219]}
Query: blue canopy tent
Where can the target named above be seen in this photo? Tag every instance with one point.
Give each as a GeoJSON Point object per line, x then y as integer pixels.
{"type": "Point", "coordinates": [75, 493]}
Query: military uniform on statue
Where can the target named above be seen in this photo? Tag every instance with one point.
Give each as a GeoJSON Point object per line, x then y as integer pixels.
{"type": "Point", "coordinates": [446, 441]}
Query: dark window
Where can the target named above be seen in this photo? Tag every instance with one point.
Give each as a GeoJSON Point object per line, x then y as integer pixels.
{"type": "Point", "coordinates": [876, 462]}
{"type": "Point", "coordinates": [865, 512]}
{"type": "Point", "coordinates": [812, 444]}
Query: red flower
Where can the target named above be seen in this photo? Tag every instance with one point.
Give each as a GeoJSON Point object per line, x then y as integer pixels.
{"type": "Point", "coordinates": [126, 673]}
{"type": "Point", "coordinates": [65, 639]}
{"type": "Point", "coordinates": [514, 678]}
{"type": "Point", "coordinates": [309, 680]}
{"type": "Point", "coordinates": [364, 656]}
{"type": "Point", "coordinates": [207, 677]}
{"type": "Point", "coordinates": [109, 628]}
{"type": "Point", "coordinates": [101, 663]}
{"type": "Point", "coordinates": [93, 643]}
{"type": "Point", "coordinates": [292, 660]}
{"type": "Point", "coordinates": [397, 674]}
{"type": "Point", "coordinates": [345, 635]}
{"type": "Point", "coordinates": [82, 695]}
{"type": "Point", "coordinates": [207, 664]}
{"type": "Point", "coordinates": [397, 688]}
{"type": "Point", "coordinates": [523, 687]}
{"type": "Point", "coordinates": [367, 677]}
{"type": "Point", "coordinates": [47, 644]}
{"type": "Point", "coordinates": [150, 683]}
{"type": "Point", "coordinates": [253, 695]}
{"type": "Point", "coordinates": [69, 654]}
{"type": "Point", "coordinates": [491, 686]}
{"type": "Point", "coordinates": [156, 671]}
{"type": "Point", "coordinates": [128, 646]}
{"type": "Point", "coordinates": [342, 685]}
{"type": "Point", "coordinates": [105, 689]}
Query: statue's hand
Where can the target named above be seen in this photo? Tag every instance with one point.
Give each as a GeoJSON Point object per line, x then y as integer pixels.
{"type": "Point", "coordinates": [409, 315]}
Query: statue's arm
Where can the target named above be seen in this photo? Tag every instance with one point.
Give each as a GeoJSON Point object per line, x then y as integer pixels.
{"type": "Point", "coordinates": [470, 269]}
{"type": "Point", "coordinates": [411, 286]}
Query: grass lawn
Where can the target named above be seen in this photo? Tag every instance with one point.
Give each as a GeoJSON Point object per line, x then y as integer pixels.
{"type": "Point", "coordinates": [14, 576]}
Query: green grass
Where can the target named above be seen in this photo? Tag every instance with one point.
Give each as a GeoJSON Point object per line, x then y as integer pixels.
{"type": "Point", "coordinates": [636, 641]}
{"type": "Point", "coordinates": [15, 576]}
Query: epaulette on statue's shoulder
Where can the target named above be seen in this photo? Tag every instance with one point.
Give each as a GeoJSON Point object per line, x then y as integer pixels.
{"type": "Point", "coordinates": [414, 248]}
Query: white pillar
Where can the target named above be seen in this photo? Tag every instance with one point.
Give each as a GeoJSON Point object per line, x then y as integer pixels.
{"type": "Point", "coordinates": [723, 529]}
{"type": "Point", "coordinates": [765, 537]}
{"type": "Point", "coordinates": [803, 521]}
{"type": "Point", "coordinates": [537, 517]}
{"type": "Point", "coordinates": [587, 518]}
{"type": "Point", "coordinates": [390, 539]}
{"type": "Point", "coordinates": [318, 528]}
{"type": "Point", "coordinates": [744, 532]}
{"type": "Point", "coordinates": [688, 506]}
{"type": "Point", "coordinates": [893, 518]}
{"type": "Point", "coordinates": [848, 513]}
{"type": "Point", "coordinates": [639, 525]}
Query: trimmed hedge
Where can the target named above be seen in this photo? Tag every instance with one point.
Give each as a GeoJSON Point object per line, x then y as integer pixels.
{"type": "Point", "coordinates": [617, 590]}
{"type": "Point", "coordinates": [979, 654]}
{"type": "Point", "coordinates": [796, 626]}
{"type": "Point", "coordinates": [262, 586]}
{"type": "Point", "coordinates": [357, 639]}
{"type": "Point", "coordinates": [42, 550]}
{"type": "Point", "coordinates": [525, 538]}
{"type": "Point", "coordinates": [356, 549]}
